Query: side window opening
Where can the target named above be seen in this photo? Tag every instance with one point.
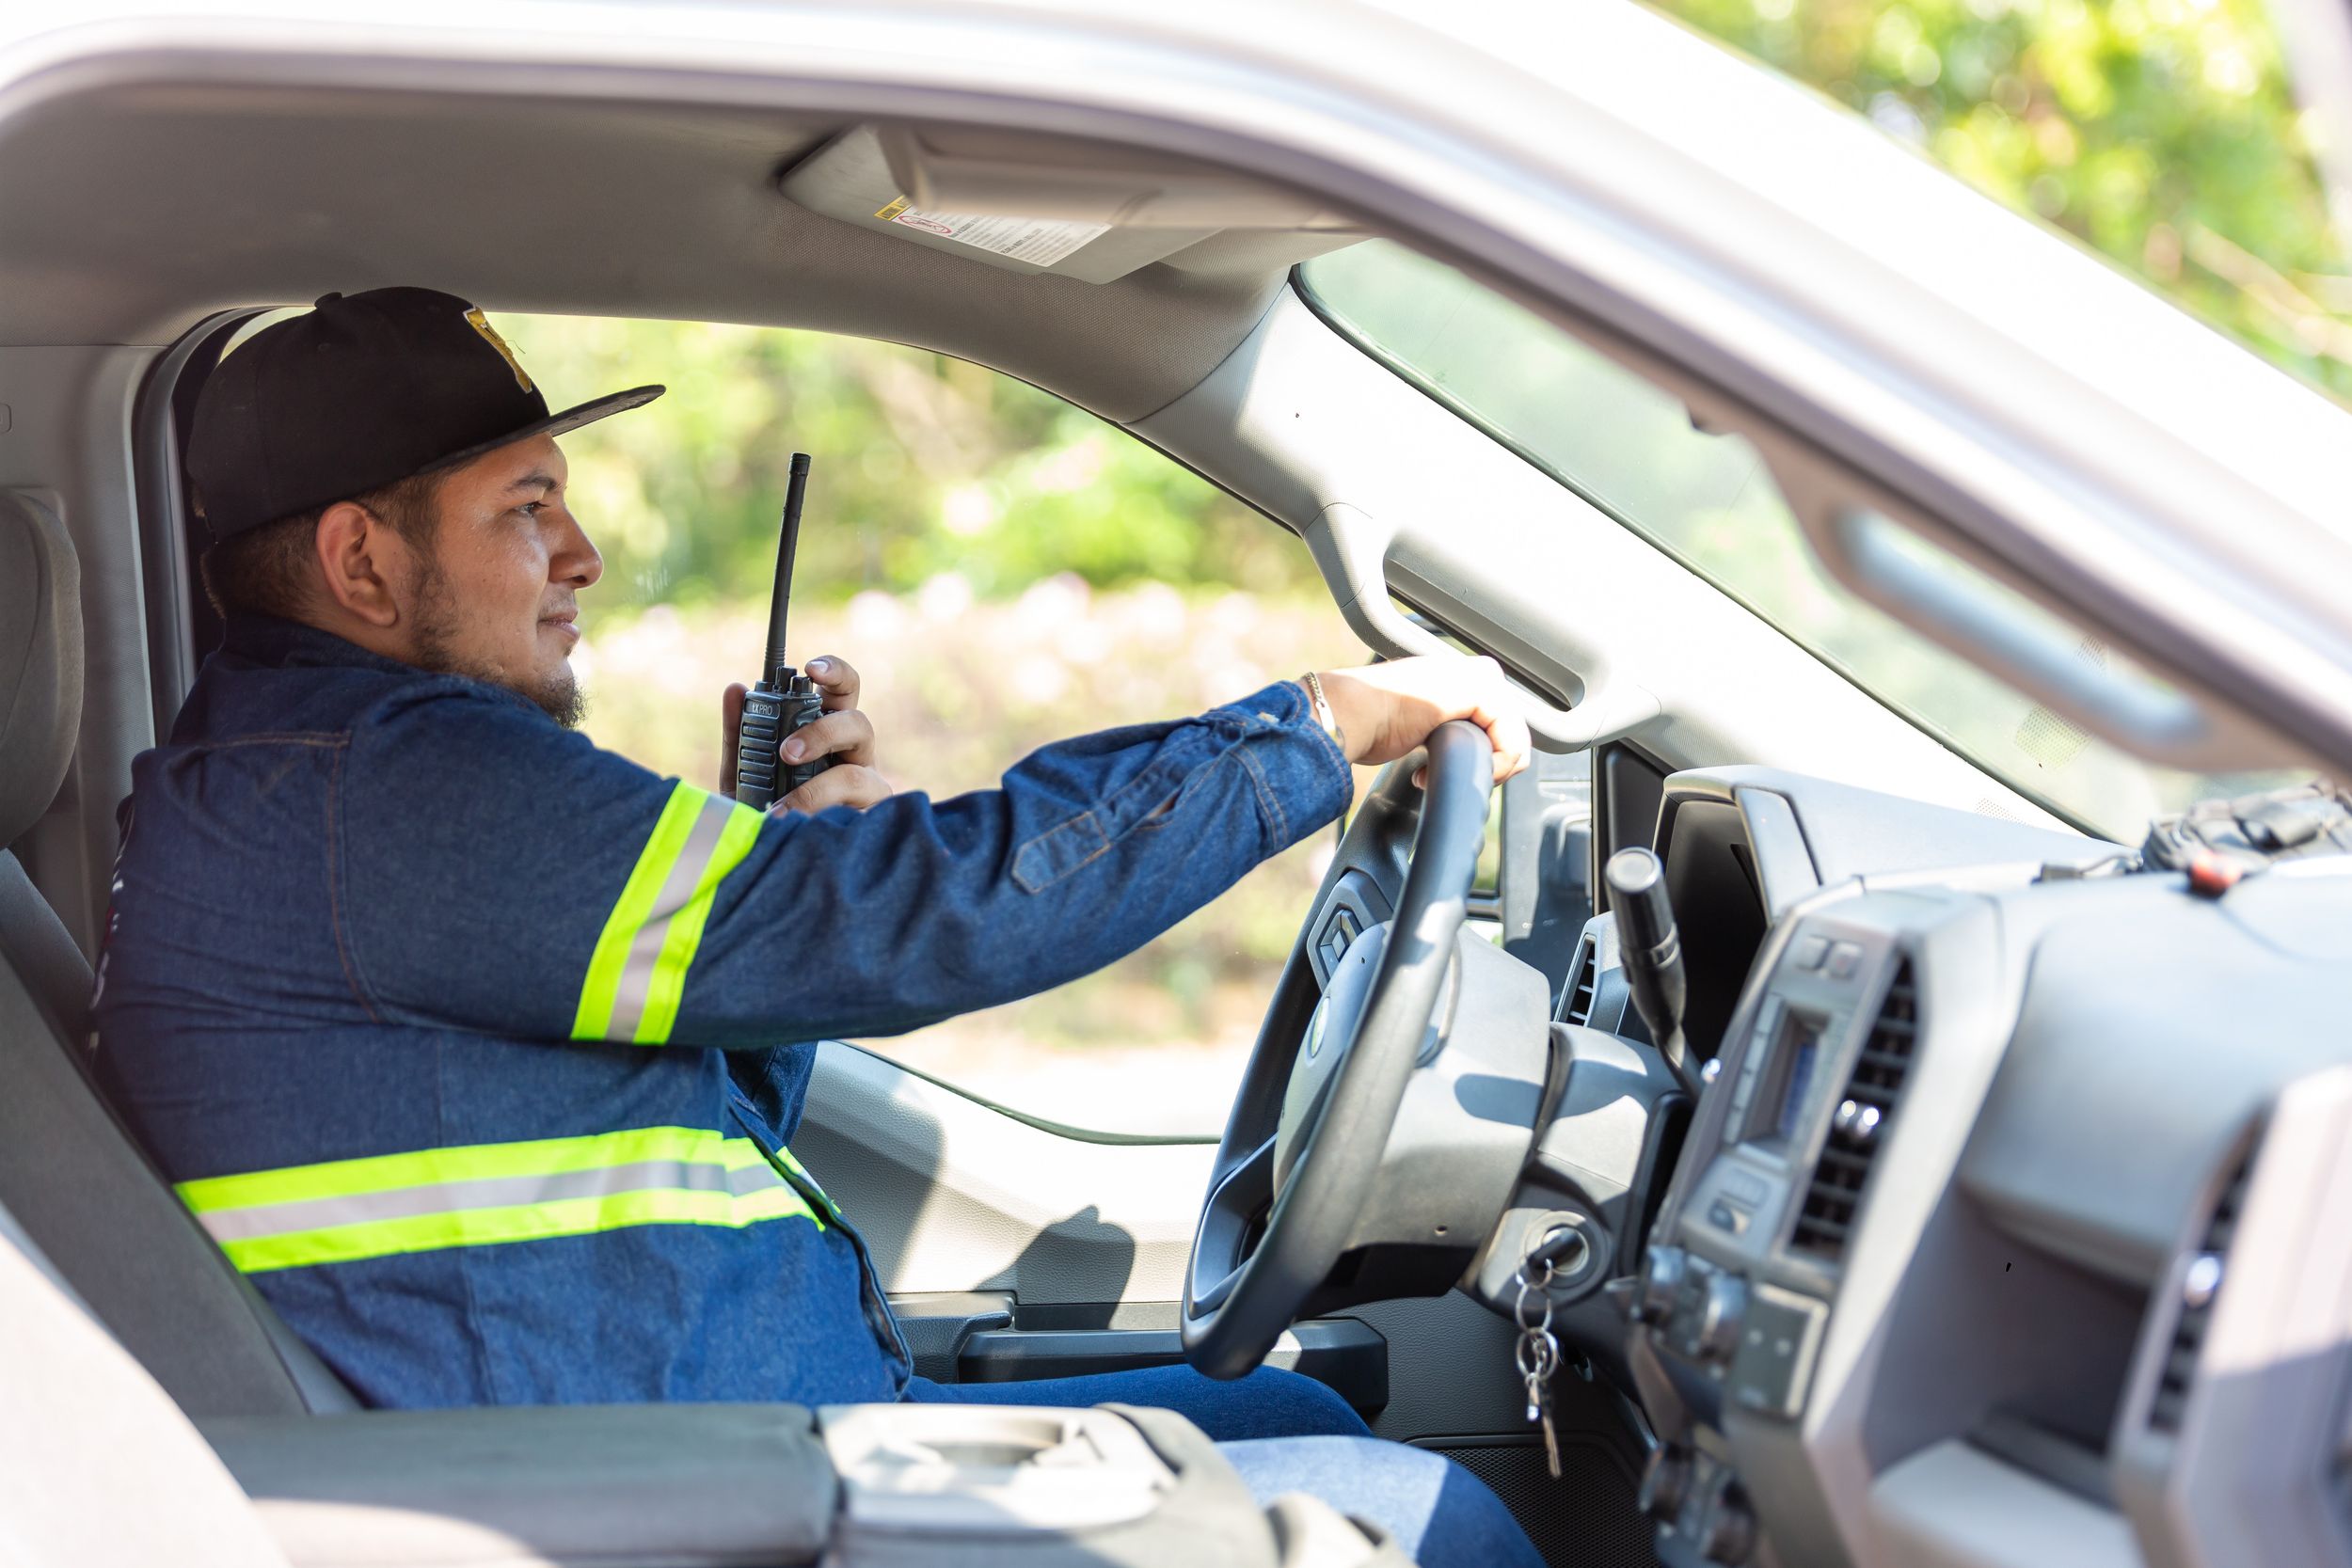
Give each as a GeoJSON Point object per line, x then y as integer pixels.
{"type": "Point", "coordinates": [1004, 570]}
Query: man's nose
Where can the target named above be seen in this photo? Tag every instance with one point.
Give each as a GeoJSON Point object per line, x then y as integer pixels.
{"type": "Point", "coordinates": [576, 561]}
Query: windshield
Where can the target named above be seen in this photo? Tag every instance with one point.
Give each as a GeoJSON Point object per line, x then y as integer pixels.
{"type": "Point", "coordinates": [1707, 501]}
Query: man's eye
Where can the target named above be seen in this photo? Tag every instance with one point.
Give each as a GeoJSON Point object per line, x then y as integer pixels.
{"type": "Point", "coordinates": [532, 509]}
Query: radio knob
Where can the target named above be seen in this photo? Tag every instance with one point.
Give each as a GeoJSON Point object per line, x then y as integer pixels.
{"type": "Point", "coordinates": [1721, 1317]}
{"type": "Point", "coordinates": [1662, 1272]}
{"type": "Point", "coordinates": [1665, 1480]}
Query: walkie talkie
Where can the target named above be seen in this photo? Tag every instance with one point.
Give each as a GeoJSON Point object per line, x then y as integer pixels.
{"type": "Point", "coordinates": [784, 699]}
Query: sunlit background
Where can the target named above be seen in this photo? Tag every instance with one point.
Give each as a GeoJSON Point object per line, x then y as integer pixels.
{"type": "Point", "coordinates": [1006, 570]}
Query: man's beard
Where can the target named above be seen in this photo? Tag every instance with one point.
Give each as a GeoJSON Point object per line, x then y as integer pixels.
{"type": "Point", "coordinates": [558, 695]}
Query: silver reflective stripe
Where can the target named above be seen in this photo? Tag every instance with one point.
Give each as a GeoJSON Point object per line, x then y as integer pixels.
{"type": "Point", "coordinates": [678, 891]}
{"type": "Point", "coordinates": [442, 1197]}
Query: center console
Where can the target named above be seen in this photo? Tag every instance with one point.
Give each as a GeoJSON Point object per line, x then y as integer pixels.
{"type": "Point", "coordinates": [721, 1485]}
{"type": "Point", "coordinates": [1733, 1299]}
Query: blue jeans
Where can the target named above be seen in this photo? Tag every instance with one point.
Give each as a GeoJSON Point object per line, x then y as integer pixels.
{"type": "Point", "coordinates": [1285, 1432]}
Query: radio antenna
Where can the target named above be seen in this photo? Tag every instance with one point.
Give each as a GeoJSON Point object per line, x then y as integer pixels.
{"type": "Point", "coordinates": [788, 546]}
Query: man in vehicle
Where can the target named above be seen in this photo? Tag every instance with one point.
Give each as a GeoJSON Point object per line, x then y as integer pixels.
{"type": "Point", "coordinates": [467, 1041]}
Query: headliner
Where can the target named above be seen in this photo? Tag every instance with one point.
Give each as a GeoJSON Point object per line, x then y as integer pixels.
{"type": "Point", "coordinates": [133, 211]}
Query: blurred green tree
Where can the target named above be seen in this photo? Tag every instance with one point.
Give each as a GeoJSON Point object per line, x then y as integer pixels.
{"type": "Point", "coordinates": [2161, 133]}
{"type": "Point", "coordinates": [922, 465]}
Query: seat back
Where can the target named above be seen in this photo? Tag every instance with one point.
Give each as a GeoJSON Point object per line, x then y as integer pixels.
{"type": "Point", "coordinates": [96, 1467]}
{"type": "Point", "coordinates": [83, 1193]}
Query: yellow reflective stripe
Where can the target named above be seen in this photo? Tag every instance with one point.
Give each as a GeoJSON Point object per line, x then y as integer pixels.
{"type": "Point", "coordinates": [637, 973]}
{"type": "Point", "coordinates": [529, 1222]}
{"type": "Point", "coordinates": [668, 985]}
{"type": "Point", "coordinates": [342, 1210]}
{"type": "Point", "coordinates": [602, 987]}
{"type": "Point", "coordinates": [467, 1162]}
{"type": "Point", "coordinates": [784, 1158]}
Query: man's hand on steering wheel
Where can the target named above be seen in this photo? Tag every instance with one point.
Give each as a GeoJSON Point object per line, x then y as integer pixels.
{"type": "Point", "coordinates": [843, 734]}
{"type": "Point", "coordinates": [1385, 710]}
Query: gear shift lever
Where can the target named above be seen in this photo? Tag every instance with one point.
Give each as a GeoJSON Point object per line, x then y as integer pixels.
{"type": "Point", "coordinates": [1649, 946]}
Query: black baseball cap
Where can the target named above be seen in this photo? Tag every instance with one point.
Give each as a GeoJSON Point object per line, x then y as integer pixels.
{"type": "Point", "coordinates": [362, 392]}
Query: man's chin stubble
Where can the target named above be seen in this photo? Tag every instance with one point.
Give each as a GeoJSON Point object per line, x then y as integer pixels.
{"type": "Point", "coordinates": [558, 695]}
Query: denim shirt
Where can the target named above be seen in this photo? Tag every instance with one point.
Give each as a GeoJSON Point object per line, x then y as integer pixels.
{"type": "Point", "coordinates": [470, 1043]}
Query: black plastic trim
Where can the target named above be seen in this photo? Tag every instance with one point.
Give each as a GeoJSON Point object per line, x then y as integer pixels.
{"type": "Point", "coordinates": [1346, 1355]}
{"type": "Point", "coordinates": [168, 533]}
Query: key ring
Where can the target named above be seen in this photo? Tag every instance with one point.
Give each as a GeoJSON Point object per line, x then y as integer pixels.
{"type": "Point", "coordinates": [1518, 1307]}
{"type": "Point", "coordinates": [1539, 1356]}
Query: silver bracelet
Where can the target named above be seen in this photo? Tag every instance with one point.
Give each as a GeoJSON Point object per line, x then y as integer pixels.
{"type": "Point", "coordinates": [1323, 710]}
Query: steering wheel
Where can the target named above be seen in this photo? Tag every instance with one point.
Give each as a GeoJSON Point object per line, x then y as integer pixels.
{"type": "Point", "coordinates": [1304, 1140]}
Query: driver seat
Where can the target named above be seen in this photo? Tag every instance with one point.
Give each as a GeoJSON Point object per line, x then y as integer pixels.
{"type": "Point", "coordinates": [86, 1197]}
{"type": "Point", "coordinates": [199, 1445]}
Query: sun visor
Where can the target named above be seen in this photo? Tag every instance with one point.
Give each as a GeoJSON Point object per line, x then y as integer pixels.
{"type": "Point", "coordinates": [1031, 205]}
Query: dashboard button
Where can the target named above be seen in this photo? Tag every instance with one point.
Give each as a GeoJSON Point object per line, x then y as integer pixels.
{"type": "Point", "coordinates": [1723, 1217]}
{"type": "Point", "coordinates": [1774, 1364]}
{"type": "Point", "coordinates": [1721, 1314]}
{"type": "Point", "coordinates": [1844, 959]}
{"type": "Point", "coordinates": [1811, 951]}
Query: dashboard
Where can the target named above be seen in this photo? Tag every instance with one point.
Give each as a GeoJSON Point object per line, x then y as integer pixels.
{"type": "Point", "coordinates": [2009, 1222]}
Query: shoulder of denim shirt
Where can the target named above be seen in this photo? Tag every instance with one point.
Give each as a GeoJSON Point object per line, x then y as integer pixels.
{"type": "Point", "coordinates": [454, 728]}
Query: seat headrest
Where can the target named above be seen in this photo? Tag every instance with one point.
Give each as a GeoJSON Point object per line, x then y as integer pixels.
{"type": "Point", "coordinates": [40, 660]}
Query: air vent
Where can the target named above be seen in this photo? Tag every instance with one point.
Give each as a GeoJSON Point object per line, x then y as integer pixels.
{"type": "Point", "coordinates": [2201, 1283]}
{"type": "Point", "coordinates": [1583, 983]}
{"type": "Point", "coordinates": [1860, 1123]}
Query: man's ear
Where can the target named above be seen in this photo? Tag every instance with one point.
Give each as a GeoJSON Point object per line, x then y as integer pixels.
{"type": "Point", "coordinates": [360, 558]}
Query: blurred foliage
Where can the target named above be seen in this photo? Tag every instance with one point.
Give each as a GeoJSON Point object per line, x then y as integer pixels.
{"type": "Point", "coordinates": [920, 464]}
{"type": "Point", "coordinates": [2161, 133]}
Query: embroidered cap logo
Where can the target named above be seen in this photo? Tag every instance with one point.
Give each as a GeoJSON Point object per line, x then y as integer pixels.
{"type": "Point", "coordinates": [480, 323]}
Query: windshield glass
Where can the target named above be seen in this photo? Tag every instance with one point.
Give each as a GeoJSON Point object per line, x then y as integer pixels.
{"type": "Point", "coordinates": [1707, 501]}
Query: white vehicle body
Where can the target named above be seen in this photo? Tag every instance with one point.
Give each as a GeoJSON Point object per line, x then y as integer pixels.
{"type": "Point", "coordinates": [1894, 343]}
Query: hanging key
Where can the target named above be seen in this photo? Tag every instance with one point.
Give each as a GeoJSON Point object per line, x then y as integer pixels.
{"type": "Point", "coordinates": [1537, 1351]}
{"type": "Point", "coordinates": [1538, 1358]}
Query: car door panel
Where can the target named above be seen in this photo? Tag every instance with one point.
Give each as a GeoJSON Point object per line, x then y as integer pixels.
{"type": "Point", "coordinates": [952, 1195]}
{"type": "Point", "coordinates": [999, 1241]}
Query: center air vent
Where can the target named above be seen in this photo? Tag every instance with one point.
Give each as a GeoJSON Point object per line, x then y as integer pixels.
{"type": "Point", "coordinates": [1583, 983]}
{"type": "Point", "coordinates": [2201, 1282]}
{"type": "Point", "coordinates": [1860, 1123]}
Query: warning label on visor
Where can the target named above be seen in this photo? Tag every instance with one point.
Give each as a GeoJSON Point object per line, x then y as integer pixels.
{"type": "Point", "coordinates": [1040, 242]}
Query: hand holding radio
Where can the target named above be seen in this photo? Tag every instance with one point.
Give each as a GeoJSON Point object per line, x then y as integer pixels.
{"type": "Point", "coordinates": [843, 735]}
{"type": "Point", "coordinates": [796, 740]}
{"type": "Point", "coordinates": [789, 734]}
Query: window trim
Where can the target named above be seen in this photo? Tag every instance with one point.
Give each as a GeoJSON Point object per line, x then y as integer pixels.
{"type": "Point", "coordinates": [167, 526]}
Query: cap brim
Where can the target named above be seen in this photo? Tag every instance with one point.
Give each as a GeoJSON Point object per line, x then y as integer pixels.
{"type": "Point", "coordinates": [554, 424]}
